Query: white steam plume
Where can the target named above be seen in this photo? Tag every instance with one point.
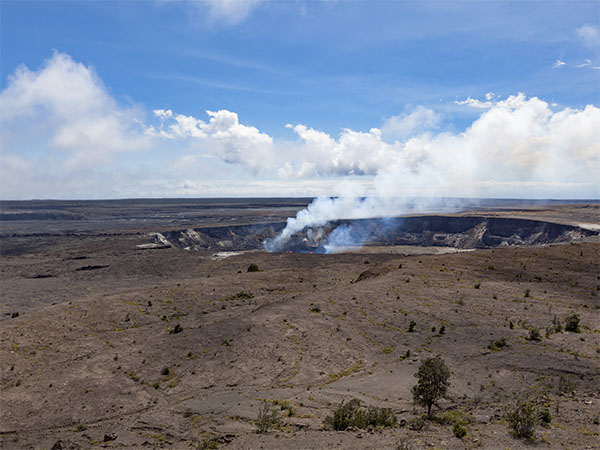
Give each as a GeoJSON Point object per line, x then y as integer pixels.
{"type": "Point", "coordinates": [518, 147]}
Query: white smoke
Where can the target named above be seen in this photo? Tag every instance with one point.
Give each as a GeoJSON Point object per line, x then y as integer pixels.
{"type": "Point", "coordinates": [517, 147]}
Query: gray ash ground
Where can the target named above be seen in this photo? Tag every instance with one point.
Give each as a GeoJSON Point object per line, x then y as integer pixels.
{"type": "Point", "coordinates": [82, 365]}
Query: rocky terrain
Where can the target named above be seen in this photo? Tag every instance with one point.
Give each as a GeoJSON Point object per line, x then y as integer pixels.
{"type": "Point", "coordinates": [106, 341]}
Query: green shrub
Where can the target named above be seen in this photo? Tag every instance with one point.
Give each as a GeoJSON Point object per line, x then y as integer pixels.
{"type": "Point", "coordinates": [411, 326]}
{"type": "Point", "coordinates": [351, 414]}
{"type": "Point", "coordinates": [523, 418]}
{"type": "Point", "coordinates": [442, 329]}
{"type": "Point", "coordinates": [459, 431]}
{"type": "Point", "coordinates": [209, 444]}
{"type": "Point", "coordinates": [166, 371]}
{"type": "Point", "coordinates": [497, 345]}
{"type": "Point", "coordinates": [242, 295]}
{"type": "Point", "coordinates": [572, 323]}
{"type": "Point", "coordinates": [534, 335]}
{"type": "Point", "coordinates": [287, 407]}
{"type": "Point", "coordinates": [417, 423]}
{"type": "Point", "coordinates": [545, 416]}
{"type": "Point", "coordinates": [268, 418]}
{"type": "Point", "coordinates": [253, 268]}
{"type": "Point", "coordinates": [557, 325]}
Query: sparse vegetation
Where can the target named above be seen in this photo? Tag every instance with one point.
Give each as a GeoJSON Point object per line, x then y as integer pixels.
{"type": "Point", "coordinates": [253, 268]}
{"type": "Point", "coordinates": [411, 326]}
{"type": "Point", "coordinates": [404, 444]}
{"type": "Point", "coordinates": [434, 380]}
{"type": "Point", "coordinates": [417, 423]}
{"type": "Point", "coordinates": [352, 414]}
{"type": "Point", "coordinates": [242, 295]}
{"type": "Point", "coordinates": [522, 418]}
{"type": "Point", "coordinates": [534, 335]}
{"type": "Point", "coordinates": [268, 418]}
{"type": "Point", "coordinates": [566, 385]}
{"type": "Point", "coordinates": [572, 323]}
{"type": "Point", "coordinates": [459, 431]}
{"type": "Point", "coordinates": [545, 416]}
{"type": "Point", "coordinates": [286, 406]}
{"type": "Point", "coordinates": [81, 427]}
{"type": "Point", "coordinates": [209, 444]}
{"type": "Point", "coordinates": [497, 345]}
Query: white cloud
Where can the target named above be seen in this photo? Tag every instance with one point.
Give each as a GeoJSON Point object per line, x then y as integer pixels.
{"type": "Point", "coordinates": [402, 126]}
{"type": "Point", "coordinates": [517, 141]}
{"type": "Point", "coordinates": [223, 135]}
{"type": "Point", "coordinates": [586, 63]}
{"type": "Point", "coordinates": [518, 146]}
{"type": "Point", "coordinates": [558, 63]}
{"type": "Point", "coordinates": [67, 100]}
{"type": "Point", "coordinates": [474, 103]}
{"type": "Point", "coordinates": [590, 35]}
{"type": "Point", "coordinates": [233, 11]}
{"type": "Point", "coordinates": [226, 11]}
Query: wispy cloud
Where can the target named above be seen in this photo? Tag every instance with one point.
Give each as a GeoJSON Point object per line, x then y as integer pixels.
{"type": "Point", "coordinates": [587, 62]}
{"type": "Point", "coordinates": [474, 103]}
{"type": "Point", "coordinates": [230, 12]}
{"type": "Point", "coordinates": [235, 62]}
{"type": "Point", "coordinates": [213, 84]}
{"type": "Point", "coordinates": [558, 63]}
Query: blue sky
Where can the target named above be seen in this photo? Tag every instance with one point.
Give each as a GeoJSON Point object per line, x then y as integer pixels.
{"type": "Point", "coordinates": [382, 97]}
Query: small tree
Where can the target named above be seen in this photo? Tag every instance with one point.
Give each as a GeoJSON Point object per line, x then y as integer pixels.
{"type": "Point", "coordinates": [434, 380]}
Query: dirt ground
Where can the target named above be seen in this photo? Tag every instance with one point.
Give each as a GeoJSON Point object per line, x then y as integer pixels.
{"type": "Point", "coordinates": [117, 347]}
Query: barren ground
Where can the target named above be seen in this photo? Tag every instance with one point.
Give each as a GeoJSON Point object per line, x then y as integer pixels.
{"type": "Point", "coordinates": [85, 357]}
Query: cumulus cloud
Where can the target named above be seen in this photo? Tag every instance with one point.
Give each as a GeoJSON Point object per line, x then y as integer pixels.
{"type": "Point", "coordinates": [223, 136]}
{"type": "Point", "coordinates": [514, 140]}
{"type": "Point", "coordinates": [67, 100]}
{"type": "Point", "coordinates": [517, 146]}
{"type": "Point", "coordinates": [401, 126]}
